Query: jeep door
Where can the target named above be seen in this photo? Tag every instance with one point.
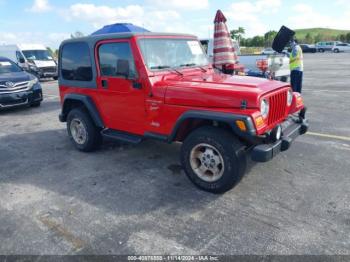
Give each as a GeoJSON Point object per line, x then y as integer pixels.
{"type": "Point", "coordinates": [121, 98]}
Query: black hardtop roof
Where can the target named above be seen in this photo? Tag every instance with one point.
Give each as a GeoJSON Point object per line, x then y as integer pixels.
{"type": "Point", "coordinates": [96, 38]}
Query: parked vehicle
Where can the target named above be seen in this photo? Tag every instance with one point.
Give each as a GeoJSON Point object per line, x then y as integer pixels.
{"type": "Point", "coordinates": [341, 47]}
{"type": "Point", "coordinates": [278, 63]}
{"type": "Point", "coordinates": [308, 48]}
{"type": "Point", "coordinates": [17, 87]}
{"type": "Point", "coordinates": [268, 51]}
{"type": "Point", "coordinates": [326, 46]}
{"type": "Point", "coordinates": [135, 86]}
{"type": "Point", "coordinates": [33, 58]}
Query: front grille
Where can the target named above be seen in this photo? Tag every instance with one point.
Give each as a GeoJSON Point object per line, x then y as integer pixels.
{"type": "Point", "coordinates": [51, 69]}
{"type": "Point", "coordinates": [278, 106]}
{"type": "Point", "coordinates": [21, 86]}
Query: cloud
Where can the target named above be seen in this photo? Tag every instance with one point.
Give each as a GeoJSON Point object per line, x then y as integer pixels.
{"type": "Point", "coordinates": [311, 18]}
{"type": "Point", "coordinates": [102, 15]}
{"type": "Point", "coordinates": [249, 14]}
{"type": "Point", "coordinates": [40, 6]}
{"type": "Point", "coordinates": [181, 4]}
{"type": "Point", "coordinates": [47, 39]}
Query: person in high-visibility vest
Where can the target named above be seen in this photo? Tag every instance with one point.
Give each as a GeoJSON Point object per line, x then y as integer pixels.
{"type": "Point", "coordinates": [296, 66]}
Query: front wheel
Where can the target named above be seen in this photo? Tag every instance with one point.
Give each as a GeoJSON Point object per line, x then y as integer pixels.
{"type": "Point", "coordinates": [82, 130]}
{"type": "Point", "coordinates": [213, 159]}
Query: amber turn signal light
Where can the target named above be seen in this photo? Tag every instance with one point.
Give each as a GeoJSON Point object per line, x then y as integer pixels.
{"type": "Point", "coordinates": [259, 121]}
{"type": "Point", "coordinates": [241, 125]}
{"type": "Point", "coordinates": [299, 101]}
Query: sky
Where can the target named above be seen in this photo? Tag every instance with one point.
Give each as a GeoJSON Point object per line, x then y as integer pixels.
{"type": "Point", "coordinates": [51, 21]}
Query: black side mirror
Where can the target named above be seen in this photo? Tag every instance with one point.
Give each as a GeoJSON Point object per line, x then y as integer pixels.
{"type": "Point", "coordinates": [21, 60]}
{"type": "Point", "coordinates": [123, 68]}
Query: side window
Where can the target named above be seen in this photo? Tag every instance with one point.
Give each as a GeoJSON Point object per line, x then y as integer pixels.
{"type": "Point", "coordinates": [76, 62]}
{"type": "Point", "coordinates": [19, 57]}
{"type": "Point", "coordinates": [113, 57]}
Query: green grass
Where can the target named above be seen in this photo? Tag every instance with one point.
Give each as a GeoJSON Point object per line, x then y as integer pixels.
{"type": "Point", "coordinates": [326, 33]}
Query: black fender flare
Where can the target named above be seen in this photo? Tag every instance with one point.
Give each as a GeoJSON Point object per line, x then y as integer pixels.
{"type": "Point", "coordinates": [87, 102]}
{"type": "Point", "coordinates": [228, 118]}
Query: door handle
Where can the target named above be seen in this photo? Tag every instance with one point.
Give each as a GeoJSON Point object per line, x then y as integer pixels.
{"type": "Point", "coordinates": [104, 83]}
{"type": "Point", "coordinates": [136, 85]}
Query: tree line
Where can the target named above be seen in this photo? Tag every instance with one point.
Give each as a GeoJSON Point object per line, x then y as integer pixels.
{"type": "Point", "coordinates": [267, 39]}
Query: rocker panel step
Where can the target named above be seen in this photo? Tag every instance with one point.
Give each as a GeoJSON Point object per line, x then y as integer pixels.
{"type": "Point", "coordinates": [122, 136]}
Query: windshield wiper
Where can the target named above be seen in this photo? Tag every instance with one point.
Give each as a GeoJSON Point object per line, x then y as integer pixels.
{"type": "Point", "coordinates": [190, 64]}
{"type": "Point", "coordinates": [160, 67]}
{"type": "Point", "coordinates": [167, 67]}
{"type": "Point", "coordinates": [193, 64]}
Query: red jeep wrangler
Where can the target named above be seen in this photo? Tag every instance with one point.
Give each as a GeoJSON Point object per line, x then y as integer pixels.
{"type": "Point", "coordinates": [134, 86]}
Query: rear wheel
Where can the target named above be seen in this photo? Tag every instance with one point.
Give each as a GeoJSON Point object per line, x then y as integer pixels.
{"type": "Point", "coordinates": [336, 50]}
{"type": "Point", "coordinates": [82, 131]}
{"type": "Point", "coordinates": [213, 159]}
{"type": "Point", "coordinates": [321, 50]}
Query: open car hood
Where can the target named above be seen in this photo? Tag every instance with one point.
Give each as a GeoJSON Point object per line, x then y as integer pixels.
{"type": "Point", "coordinates": [282, 39]}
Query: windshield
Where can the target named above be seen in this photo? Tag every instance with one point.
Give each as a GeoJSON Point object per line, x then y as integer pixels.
{"type": "Point", "coordinates": [172, 53]}
{"type": "Point", "coordinates": [37, 55]}
{"type": "Point", "coordinates": [9, 67]}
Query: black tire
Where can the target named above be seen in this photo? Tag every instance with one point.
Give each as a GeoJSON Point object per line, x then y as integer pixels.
{"type": "Point", "coordinates": [231, 151]}
{"type": "Point", "coordinates": [336, 50]}
{"type": "Point", "coordinates": [93, 138]}
{"type": "Point", "coordinates": [55, 77]}
{"type": "Point", "coordinates": [321, 50]}
{"type": "Point", "coordinates": [35, 104]}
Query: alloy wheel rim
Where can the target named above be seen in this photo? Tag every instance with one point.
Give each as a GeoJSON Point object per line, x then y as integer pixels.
{"type": "Point", "coordinates": [207, 162]}
{"type": "Point", "coordinates": [78, 131]}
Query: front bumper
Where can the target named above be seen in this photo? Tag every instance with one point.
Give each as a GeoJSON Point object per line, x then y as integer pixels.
{"type": "Point", "coordinates": [20, 98]}
{"type": "Point", "coordinates": [45, 72]}
{"type": "Point", "coordinates": [291, 129]}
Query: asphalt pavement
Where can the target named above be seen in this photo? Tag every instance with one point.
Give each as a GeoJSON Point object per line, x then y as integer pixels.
{"type": "Point", "coordinates": [135, 199]}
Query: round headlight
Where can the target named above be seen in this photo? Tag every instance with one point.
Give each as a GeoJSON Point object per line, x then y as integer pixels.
{"type": "Point", "coordinates": [289, 97]}
{"type": "Point", "coordinates": [264, 108]}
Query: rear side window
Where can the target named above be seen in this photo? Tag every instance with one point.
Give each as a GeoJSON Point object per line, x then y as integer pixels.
{"type": "Point", "coordinates": [113, 56]}
{"type": "Point", "coordinates": [76, 62]}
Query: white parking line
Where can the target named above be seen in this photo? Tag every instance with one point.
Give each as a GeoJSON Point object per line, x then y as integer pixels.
{"type": "Point", "coordinates": [344, 138]}
{"type": "Point", "coordinates": [325, 90]}
{"type": "Point", "coordinates": [52, 96]}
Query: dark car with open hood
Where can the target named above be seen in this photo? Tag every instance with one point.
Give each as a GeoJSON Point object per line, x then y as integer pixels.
{"type": "Point", "coordinates": [17, 87]}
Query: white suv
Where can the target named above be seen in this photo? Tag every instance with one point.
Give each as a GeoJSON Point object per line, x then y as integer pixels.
{"type": "Point", "coordinates": [326, 46]}
{"type": "Point", "coordinates": [341, 47]}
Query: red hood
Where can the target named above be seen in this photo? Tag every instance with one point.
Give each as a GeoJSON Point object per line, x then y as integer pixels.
{"type": "Point", "coordinates": [217, 90]}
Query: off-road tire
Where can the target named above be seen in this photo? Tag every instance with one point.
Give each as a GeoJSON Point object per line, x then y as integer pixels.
{"type": "Point", "coordinates": [232, 153]}
{"type": "Point", "coordinates": [93, 136]}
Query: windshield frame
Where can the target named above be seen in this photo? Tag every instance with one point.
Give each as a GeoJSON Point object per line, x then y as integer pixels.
{"type": "Point", "coordinates": [171, 37]}
{"type": "Point", "coordinates": [13, 64]}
